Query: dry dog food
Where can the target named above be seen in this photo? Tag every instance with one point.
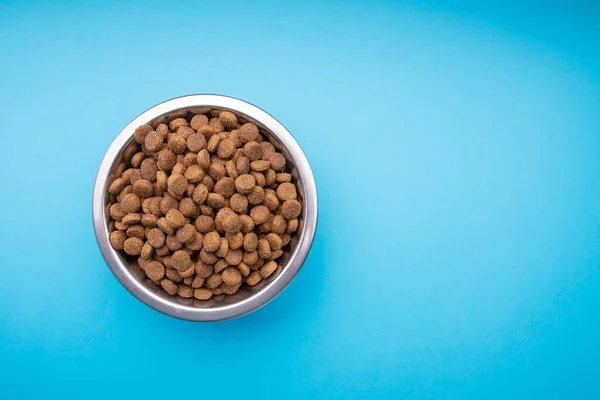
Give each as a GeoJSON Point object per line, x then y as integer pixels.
{"type": "Point", "coordinates": [205, 203]}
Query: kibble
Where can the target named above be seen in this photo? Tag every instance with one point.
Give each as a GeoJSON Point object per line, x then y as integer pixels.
{"type": "Point", "coordinates": [205, 203]}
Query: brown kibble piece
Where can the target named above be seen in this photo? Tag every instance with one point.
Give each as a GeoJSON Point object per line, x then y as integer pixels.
{"type": "Point", "coordinates": [291, 209]}
{"type": "Point", "coordinates": [156, 237]}
{"type": "Point", "coordinates": [283, 177]}
{"type": "Point", "coordinates": [177, 123]}
{"type": "Point", "coordinates": [268, 269]}
{"type": "Point", "coordinates": [220, 265]}
{"type": "Point", "coordinates": [223, 248]}
{"type": "Point", "coordinates": [277, 161]}
{"type": "Point", "coordinates": [185, 291]}
{"type": "Point", "coordinates": [179, 168]}
{"type": "Point", "coordinates": [229, 220]}
{"type": "Point", "coordinates": [143, 188]}
{"type": "Point", "coordinates": [155, 271]}
{"type": "Point", "coordinates": [196, 142]}
{"type": "Point", "coordinates": [186, 233]}
{"type": "Point", "coordinates": [200, 194]}
{"type": "Point", "coordinates": [177, 184]}
{"type": "Point", "coordinates": [213, 142]}
{"type": "Point", "coordinates": [164, 226]}
{"type": "Point", "coordinates": [256, 195]}
{"type": "Point", "coordinates": [160, 186]}
{"type": "Point", "coordinates": [248, 132]}
{"type": "Point", "coordinates": [198, 120]}
{"type": "Point", "coordinates": [203, 270]}
{"type": "Point", "coordinates": [238, 203]}
{"type": "Point", "coordinates": [275, 242]}
{"type": "Point", "coordinates": [267, 150]}
{"type": "Point", "coordinates": [203, 293]}
{"type": "Point", "coordinates": [141, 132]}
{"type": "Point", "coordinates": [250, 257]}
{"type": "Point", "coordinates": [133, 246]}
{"type": "Point", "coordinates": [116, 211]}
{"type": "Point", "coordinates": [231, 276]}
{"type": "Point", "coordinates": [204, 224]}
{"type": "Point", "coordinates": [247, 223]}
{"type": "Point", "coordinates": [173, 275]}
{"type": "Point", "coordinates": [117, 239]}
{"type": "Point", "coordinates": [286, 191]}
{"type": "Point", "coordinates": [188, 208]}
{"type": "Point", "coordinates": [188, 272]}
{"type": "Point", "coordinates": [231, 169]}
{"type": "Point", "coordinates": [130, 203]}
{"type": "Point", "coordinates": [270, 177]}
{"type": "Point", "coordinates": [196, 243]}
{"type": "Point", "coordinates": [137, 231]}
{"type": "Point", "coordinates": [117, 185]}
{"type": "Point", "coordinates": [203, 159]}
{"type": "Point", "coordinates": [271, 201]}
{"type": "Point", "coordinates": [259, 178]}
{"type": "Point", "coordinates": [216, 171]}
{"type": "Point", "coordinates": [278, 224]}
{"type": "Point", "coordinates": [253, 278]}
{"type": "Point", "coordinates": [180, 260]}
{"type": "Point", "coordinates": [229, 289]}
{"type": "Point", "coordinates": [234, 257]}
{"type": "Point", "coordinates": [244, 269]}
{"type": "Point", "coordinates": [212, 241]}
{"type": "Point", "coordinates": [260, 166]}
{"type": "Point", "coordinates": [215, 200]}
{"type": "Point", "coordinates": [216, 125]}
{"type": "Point", "coordinates": [253, 151]}
{"type": "Point", "coordinates": [194, 173]}
{"type": "Point", "coordinates": [228, 119]}
{"type": "Point", "coordinates": [177, 144]}
{"type": "Point", "coordinates": [225, 149]}
{"type": "Point", "coordinates": [153, 141]}
{"type": "Point", "coordinates": [172, 243]}
{"type": "Point", "coordinates": [250, 241]}
{"type": "Point", "coordinates": [235, 240]}
{"type": "Point", "coordinates": [260, 214]}
{"type": "Point", "coordinates": [168, 203]}
{"type": "Point", "coordinates": [169, 286]}
{"type": "Point", "coordinates": [197, 282]}
{"type": "Point", "coordinates": [244, 183]}
{"type": "Point", "coordinates": [292, 225]}
{"type": "Point", "coordinates": [264, 249]}
{"type": "Point", "coordinates": [242, 165]}
{"type": "Point", "coordinates": [175, 218]}
{"type": "Point", "coordinates": [225, 187]}
{"type": "Point", "coordinates": [213, 281]}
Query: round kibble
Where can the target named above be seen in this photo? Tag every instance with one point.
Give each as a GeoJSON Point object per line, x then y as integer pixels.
{"type": "Point", "coordinates": [188, 272]}
{"type": "Point", "coordinates": [268, 269]}
{"type": "Point", "coordinates": [228, 119]}
{"type": "Point", "coordinates": [153, 141]}
{"type": "Point", "coordinates": [259, 178]}
{"type": "Point", "coordinates": [175, 218]}
{"type": "Point", "coordinates": [164, 226]}
{"type": "Point", "coordinates": [213, 142]}
{"type": "Point", "coordinates": [216, 125]}
{"type": "Point", "coordinates": [286, 191]}
{"type": "Point", "coordinates": [196, 142]}
{"type": "Point", "coordinates": [228, 289]}
{"type": "Point", "coordinates": [204, 224]}
{"type": "Point", "coordinates": [172, 243]}
{"type": "Point", "coordinates": [168, 203]}
{"type": "Point", "coordinates": [226, 148]}
{"type": "Point", "coordinates": [260, 166]}
{"type": "Point", "coordinates": [203, 159]}
{"type": "Point", "coordinates": [117, 185]}
{"type": "Point", "coordinates": [291, 209]}
{"type": "Point", "coordinates": [244, 183]}
{"type": "Point", "coordinates": [213, 281]}
{"type": "Point", "coordinates": [200, 194]}
{"type": "Point", "coordinates": [271, 201]}
{"type": "Point", "coordinates": [116, 211]}
{"type": "Point", "coordinates": [270, 177]}
{"type": "Point", "coordinates": [253, 278]}
{"type": "Point", "coordinates": [275, 242]}
{"type": "Point", "coordinates": [181, 260]}
{"type": "Point", "coordinates": [260, 214]}
{"type": "Point", "coordinates": [173, 275]}
{"type": "Point", "coordinates": [225, 187]}
{"type": "Point", "coordinates": [143, 188]}
{"type": "Point", "coordinates": [185, 291]}
{"type": "Point", "coordinates": [117, 240]}
{"type": "Point", "coordinates": [267, 150]}
{"type": "Point", "coordinates": [197, 282]}
{"type": "Point", "coordinates": [188, 208]}
{"type": "Point", "coordinates": [256, 195]}
{"type": "Point", "coordinates": [187, 233]}
{"type": "Point", "coordinates": [231, 276]}
{"type": "Point", "coordinates": [212, 241]}
{"type": "Point", "coordinates": [235, 240]}
{"type": "Point", "coordinates": [216, 171]}
{"type": "Point", "coordinates": [156, 237]}
{"type": "Point", "coordinates": [278, 224]}
{"type": "Point", "coordinates": [253, 151]}
{"type": "Point", "coordinates": [203, 293]}
{"type": "Point", "coordinates": [169, 286]}
{"type": "Point", "coordinates": [160, 186]}
{"type": "Point", "coordinates": [234, 257]}
{"type": "Point", "coordinates": [177, 144]}
{"type": "Point", "coordinates": [149, 220]}
{"type": "Point", "coordinates": [155, 271]}
{"type": "Point", "coordinates": [238, 203]}
{"type": "Point", "coordinates": [179, 168]}
{"type": "Point", "coordinates": [215, 200]}
{"type": "Point", "coordinates": [190, 159]}
{"type": "Point", "coordinates": [250, 241]}
{"type": "Point", "coordinates": [177, 184]}
{"type": "Point", "coordinates": [248, 132]}
{"type": "Point", "coordinates": [229, 220]}
{"type": "Point", "coordinates": [247, 223]}
{"type": "Point", "coordinates": [244, 269]}
{"type": "Point", "coordinates": [231, 169]}
{"type": "Point", "coordinates": [242, 165]}
{"type": "Point", "coordinates": [194, 173]}
{"type": "Point", "coordinates": [203, 270]}
{"type": "Point", "coordinates": [133, 246]}
{"type": "Point", "coordinates": [250, 257]}
{"type": "Point", "coordinates": [130, 203]}
{"type": "Point", "coordinates": [264, 249]}
{"type": "Point", "coordinates": [197, 243]}
{"type": "Point", "coordinates": [141, 132]}
{"type": "Point", "coordinates": [283, 177]}
{"type": "Point", "coordinates": [277, 161]}
{"type": "Point", "coordinates": [198, 120]}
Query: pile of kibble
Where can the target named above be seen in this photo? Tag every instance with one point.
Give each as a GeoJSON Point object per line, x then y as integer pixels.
{"type": "Point", "coordinates": [205, 202]}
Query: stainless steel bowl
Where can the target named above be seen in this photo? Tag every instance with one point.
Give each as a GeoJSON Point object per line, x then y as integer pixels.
{"type": "Point", "coordinates": [220, 307]}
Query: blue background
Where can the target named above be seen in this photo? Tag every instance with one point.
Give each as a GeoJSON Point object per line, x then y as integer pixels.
{"type": "Point", "coordinates": [455, 146]}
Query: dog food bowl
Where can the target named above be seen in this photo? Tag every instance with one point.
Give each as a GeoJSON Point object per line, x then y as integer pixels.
{"type": "Point", "coordinates": [247, 299]}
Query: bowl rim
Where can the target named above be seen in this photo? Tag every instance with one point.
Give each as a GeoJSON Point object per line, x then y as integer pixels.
{"type": "Point", "coordinates": [297, 257]}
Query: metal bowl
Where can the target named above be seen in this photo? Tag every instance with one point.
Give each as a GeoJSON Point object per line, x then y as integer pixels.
{"type": "Point", "coordinates": [220, 307]}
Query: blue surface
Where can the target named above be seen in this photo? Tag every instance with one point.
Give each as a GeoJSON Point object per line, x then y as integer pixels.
{"type": "Point", "coordinates": [455, 148]}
